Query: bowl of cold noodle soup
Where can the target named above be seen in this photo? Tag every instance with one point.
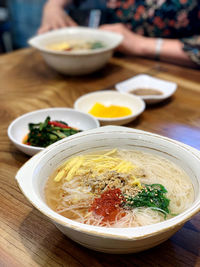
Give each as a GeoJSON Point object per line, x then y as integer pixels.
{"type": "Point", "coordinates": [76, 50]}
{"type": "Point", "coordinates": [115, 189]}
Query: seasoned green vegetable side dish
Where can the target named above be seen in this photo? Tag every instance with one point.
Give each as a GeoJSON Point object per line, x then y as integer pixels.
{"type": "Point", "coordinates": [45, 133]}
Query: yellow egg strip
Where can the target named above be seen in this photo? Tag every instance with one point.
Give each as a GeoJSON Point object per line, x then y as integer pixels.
{"type": "Point", "coordinates": [99, 164]}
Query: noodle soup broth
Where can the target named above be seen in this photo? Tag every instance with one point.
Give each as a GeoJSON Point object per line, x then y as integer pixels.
{"type": "Point", "coordinates": [119, 188]}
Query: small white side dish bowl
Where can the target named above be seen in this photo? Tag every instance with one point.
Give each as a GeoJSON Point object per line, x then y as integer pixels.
{"type": "Point", "coordinates": [18, 129]}
{"type": "Point", "coordinates": [33, 175]}
{"type": "Point", "coordinates": [107, 98]}
{"type": "Point", "coordinates": [148, 82]}
{"type": "Point", "coordinates": [76, 62]}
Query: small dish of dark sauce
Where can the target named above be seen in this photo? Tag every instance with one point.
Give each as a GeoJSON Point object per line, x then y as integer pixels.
{"type": "Point", "coordinates": [146, 92]}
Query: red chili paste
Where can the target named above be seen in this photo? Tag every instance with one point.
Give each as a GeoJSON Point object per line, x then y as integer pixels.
{"type": "Point", "coordinates": [108, 205]}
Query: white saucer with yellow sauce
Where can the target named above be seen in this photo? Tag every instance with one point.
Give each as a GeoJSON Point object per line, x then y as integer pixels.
{"type": "Point", "coordinates": [109, 98]}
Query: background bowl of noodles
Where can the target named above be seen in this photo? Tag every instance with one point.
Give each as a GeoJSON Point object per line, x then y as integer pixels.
{"type": "Point", "coordinates": [54, 49]}
{"type": "Point", "coordinates": [32, 178]}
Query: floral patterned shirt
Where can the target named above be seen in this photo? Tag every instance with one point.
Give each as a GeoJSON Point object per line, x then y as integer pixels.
{"type": "Point", "coordinates": [178, 19]}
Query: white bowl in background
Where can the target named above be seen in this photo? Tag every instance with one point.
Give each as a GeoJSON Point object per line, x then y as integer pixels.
{"type": "Point", "coordinates": [18, 129]}
{"type": "Point", "coordinates": [109, 97]}
{"type": "Point", "coordinates": [33, 175]}
{"type": "Point", "coordinates": [148, 82]}
{"type": "Point", "coordinates": [76, 62]}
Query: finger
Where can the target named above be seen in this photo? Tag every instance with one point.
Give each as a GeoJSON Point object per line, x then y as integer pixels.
{"type": "Point", "coordinates": [107, 28]}
{"type": "Point", "coordinates": [43, 29]}
{"type": "Point", "coordinates": [104, 26]}
{"type": "Point", "coordinates": [110, 29]}
{"type": "Point", "coordinates": [62, 23]}
{"type": "Point", "coordinates": [56, 26]}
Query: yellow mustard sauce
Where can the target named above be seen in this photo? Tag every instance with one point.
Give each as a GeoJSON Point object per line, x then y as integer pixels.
{"type": "Point", "coordinates": [112, 111]}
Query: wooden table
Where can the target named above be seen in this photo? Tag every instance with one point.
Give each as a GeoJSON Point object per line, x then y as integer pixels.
{"type": "Point", "coordinates": [27, 238]}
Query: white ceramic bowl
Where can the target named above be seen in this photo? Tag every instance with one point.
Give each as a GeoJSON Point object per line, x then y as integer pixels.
{"type": "Point", "coordinates": [33, 175]}
{"type": "Point", "coordinates": [148, 82]}
{"type": "Point", "coordinates": [19, 127]}
{"type": "Point", "coordinates": [135, 103]}
{"type": "Point", "coordinates": [76, 62]}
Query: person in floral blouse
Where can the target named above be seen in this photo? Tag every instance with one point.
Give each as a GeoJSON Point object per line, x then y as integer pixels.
{"type": "Point", "coordinates": [168, 30]}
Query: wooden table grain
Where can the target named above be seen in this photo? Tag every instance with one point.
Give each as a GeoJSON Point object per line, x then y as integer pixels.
{"type": "Point", "coordinates": [27, 238]}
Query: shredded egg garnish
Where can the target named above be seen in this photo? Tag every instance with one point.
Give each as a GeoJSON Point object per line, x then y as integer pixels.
{"type": "Point", "coordinates": [98, 164]}
{"type": "Point", "coordinates": [59, 46]}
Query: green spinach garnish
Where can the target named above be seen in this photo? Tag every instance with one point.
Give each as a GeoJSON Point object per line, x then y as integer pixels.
{"type": "Point", "coordinates": [152, 196]}
{"type": "Point", "coordinates": [97, 45]}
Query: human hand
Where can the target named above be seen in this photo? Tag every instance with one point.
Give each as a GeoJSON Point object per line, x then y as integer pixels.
{"type": "Point", "coordinates": [55, 17]}
{"type": "Point", "coordinates": [135, 44]}
{"type": "Point", "coordinates": [132, 43]}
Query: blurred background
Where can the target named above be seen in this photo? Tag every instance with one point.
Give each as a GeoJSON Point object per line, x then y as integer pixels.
{"type": "Point", "coordinates": [20, 19]}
